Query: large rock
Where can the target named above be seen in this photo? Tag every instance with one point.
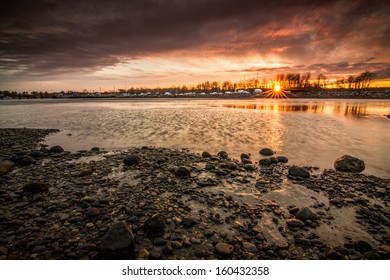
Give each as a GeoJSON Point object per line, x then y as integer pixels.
{"type": "Point", "coordinates": [224, 249]}
{"type": "Point", "coordinates": [295, 223]}
{"type": "Point", "coordinates": [118, 242]}
{"type": "Point", "coordinates": [206, 154]}
{"type": "Point", "coordinates": [223, 154]}
{"type": "Point", "coordinates": [296, 171]}
{"type": "Point", "coordinates": [154, 226]}
{"type": "Point", "coordinates": [182, 172]}
{"type": "Point", "coordinates": [35, 187]}
{"type": "Point", "coordinates": [266, 152]}
{"type": "Point", "coordinates": [349, 163]}
{"type": "Point", "coordinates": [6, 166]}
{"type": "Point", "coordinates": [131, 160]}
{"type": "Point", "coordinates": [56, 150]}
{"type": "Point", "coordinates": [26, 160]}
{"type": "Point", "coordinates": [282, 159]}
{"type": "Point", "coordinates": [305, 214]}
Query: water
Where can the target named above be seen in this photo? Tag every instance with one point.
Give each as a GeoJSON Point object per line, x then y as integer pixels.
{"type": "Point", "coordinates": [308, 131]}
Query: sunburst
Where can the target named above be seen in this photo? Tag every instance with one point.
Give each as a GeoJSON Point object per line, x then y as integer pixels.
{"type": "Point", "coordinates": [276, 92]}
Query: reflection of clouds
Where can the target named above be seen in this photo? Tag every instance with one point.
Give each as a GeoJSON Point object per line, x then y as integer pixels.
{"type": "Point", "coordinates": [356, 111]}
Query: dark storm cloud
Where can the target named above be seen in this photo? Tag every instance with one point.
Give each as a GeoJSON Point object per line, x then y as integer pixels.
{"type": "Point", "coordinates": [49, 37]}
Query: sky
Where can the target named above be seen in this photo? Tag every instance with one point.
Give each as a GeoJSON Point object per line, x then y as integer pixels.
{"type": "Point", "coordinates": [101, 45]}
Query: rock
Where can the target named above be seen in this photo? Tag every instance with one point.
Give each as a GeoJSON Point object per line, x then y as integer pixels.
{"type": "Point", "coordinates": [266, 152]}
{"type": "Point", "coordinates": [95, 149]}
{"type": "Point", "coordinates": [244, 156]}
{"type": "Point", "coordinates": [143, 254]}
{"type": "Point", "coordinates": [224, 249]}
{"type": "Point", "coordinates": [36, 154]}
{"type": "Point", "coordinates": [92, 212]}
{"type": "Point", "coordinates": [349, 163]}
{"type": "Point", "coordinates": [209, 166]}
{"type": "Point", "coordinates": [223, 154]}
{"type": "Point", "coordinates": [249, 247]}
{"type": "Point", "coordinates": [305, 214]}
{"type": "Point", "coordinates": [206, 154]}
{"type": "Point", "coordinates": [182, 172]}
{"type": "Point", "coordinates": [39, 249]}
{"type": "Point", "coordinates": [385, 248]}
{"type": "Point", "coordinates": [208, 232]}
{"type": "Point", "coordinates": [296, 171]}
{"type": "Point", "coordinates": [35, 187]}
{"type": "Point", "coordinates": [362, 246]}
{"type": "Point", "coordinates": [303, 242]}
{"type": "Point", "coordinates": [159, 241]}
{"type": "Point", "coordinates": [295, 223]}
{"type": "Point", "coordinates": [282, 159]}
{"type": "Point", "coordinates": [154, 226]}
{"type": "Point", "coordinates": [131, 160]}
{"type": "Point", "coordinates": [335, 201]}
{"type": "Point", "coordinates": [249, 167]}
{"type": "Point", "coordinates": [188, 222]}
{"type": "Point", "coordinates": [231, 165]}
{"type": "Point", "coordinates": [168, 249]}
{"type": "Point", "coordinates": [118, 242]}
{"type": "Point", "coordinates": [26, 160]}
{"type": "Point", "coordinates": [333, 255]}
{"type": "Point", "coordinates": [85, 172]}
{"type": "Point", "coordinates": [6, 166]}
{"type": "Point", "coordinates": [56, 150]}
{"type": "Point", "coordinates": [273, 160]}
{"type": "Point", "coordinates": [265, 162]}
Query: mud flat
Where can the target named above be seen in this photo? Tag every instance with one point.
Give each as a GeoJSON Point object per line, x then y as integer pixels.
{"type": "Point", "coordinates": [158, 203]}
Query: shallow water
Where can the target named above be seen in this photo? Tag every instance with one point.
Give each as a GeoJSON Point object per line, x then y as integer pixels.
{"type": "Point", "coordinates": [308, 131]}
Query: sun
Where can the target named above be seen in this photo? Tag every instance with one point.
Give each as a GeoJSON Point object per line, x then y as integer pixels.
{"type": "Point", "coordinates": [277, 88]}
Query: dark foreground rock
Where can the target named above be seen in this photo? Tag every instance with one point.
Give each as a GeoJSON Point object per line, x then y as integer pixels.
{"type": "Point", "coordinates": [266, 152]}
{"type": "Point", "coordinates": [118, 242]}
{"type": "Point", "coordinates": [349, 163]}
{"type": "Point", "coordinates": [296, 171]}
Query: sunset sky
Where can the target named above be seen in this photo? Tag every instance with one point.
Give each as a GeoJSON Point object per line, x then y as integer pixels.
{"type": "Point", "coordinates": [98, 45]}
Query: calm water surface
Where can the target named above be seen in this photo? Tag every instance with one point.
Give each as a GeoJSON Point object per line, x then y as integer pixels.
{"type": "Point", "coordinates": [309, 132]}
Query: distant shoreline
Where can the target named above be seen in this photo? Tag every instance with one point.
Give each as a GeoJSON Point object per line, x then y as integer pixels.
{"type": "Point", "coordinates": [293, 94]}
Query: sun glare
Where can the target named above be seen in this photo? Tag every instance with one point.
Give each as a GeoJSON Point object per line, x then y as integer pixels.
{"type": "Point", "coordinates": [277, 88]}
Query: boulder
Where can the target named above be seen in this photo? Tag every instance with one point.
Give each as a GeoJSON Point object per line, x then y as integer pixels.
{"type": "Point", "coordinates": [295, 223]}
{"type": "Point", "coordinates": [206, 154]}
{"type": "Point", "coordinates": [223, 154]}
{"type": "Point", "coordinates": [118, 242]}
{"type": "Point", "coordinates": [349, 163]}
{"type": "Point", "coordinates": [244, 156]}
{"type": "Point", "coordinates": [26, 160]}
{"type": "Point", "coordinates": [305, 214]}
{"type": "Point", "coordinates": [296, 171]}
{"type": "Point", "coordinates": [154, 226]}
{"type": "Point", "coordinates": [265, 161]}
{"type": "Point", "coordinates": [56, 150]}
{"type": "Point", "coordinates": [131, 160]}
{"type": "Point", "coordinates": [282, 159]}
{"type": "Point", "coordinates": [266, 152]}
{"type": "Point", "coordinates": [224, 249]}
{"type": "Point", "coordinates": [182, 172]}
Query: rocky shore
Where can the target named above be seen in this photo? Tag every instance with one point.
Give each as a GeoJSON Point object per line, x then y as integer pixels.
{"type": "Point", "coordinates": [157, 203]}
